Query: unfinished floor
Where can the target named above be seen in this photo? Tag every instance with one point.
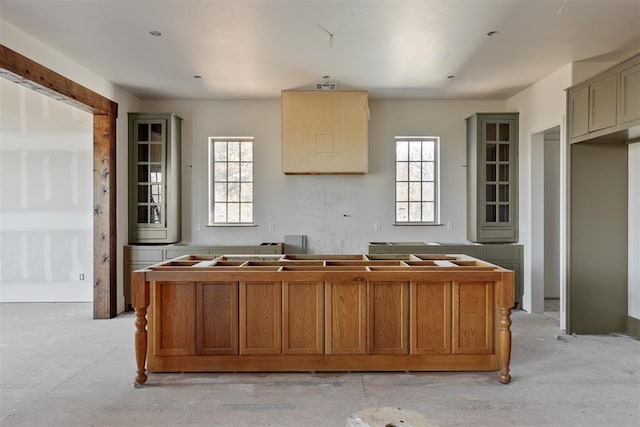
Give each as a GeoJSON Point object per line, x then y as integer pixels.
{"type": "Point", "coordinates": [61, 368]}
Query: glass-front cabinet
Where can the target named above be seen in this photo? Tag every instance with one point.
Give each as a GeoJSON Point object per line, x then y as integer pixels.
{"type": "Point", "coordinates": [492, 177]}
{"type": "Point", "coordinates": [154, 178]}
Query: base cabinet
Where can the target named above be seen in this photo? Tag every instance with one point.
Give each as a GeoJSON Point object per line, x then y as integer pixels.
{"type": "Point", "coordinates": [346, 317]}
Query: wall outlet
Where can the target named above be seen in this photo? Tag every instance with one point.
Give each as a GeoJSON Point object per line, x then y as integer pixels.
{"type": "Point", "coordinates": [197, 226]}
{"type": "Point", "coordinates": [272, 226]}
{"type": "Point", "coordinates": [449, 225]}
{"type": "Point", "coordinates": [376, 226]}
{"type": "Point", "coordinates": [81, 276]}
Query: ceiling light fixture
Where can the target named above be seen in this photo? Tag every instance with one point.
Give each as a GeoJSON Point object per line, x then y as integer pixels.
{"type": "Point", "coordinates": [492, 33]}
{"type": "Point", "coordinates": [155, 33]}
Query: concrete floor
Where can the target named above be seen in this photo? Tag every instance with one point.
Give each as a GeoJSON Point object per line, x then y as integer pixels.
{"type": "Point", "coordinates": [61, 368]}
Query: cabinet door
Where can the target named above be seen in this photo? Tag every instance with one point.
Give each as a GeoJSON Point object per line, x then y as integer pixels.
{"type": "Point", "coordinates": [217, 318]}
{"type": "Point", "coordinates": [303, 317]}
{"type": "Point", "coordinates": [174, 319]}
{"type": "Point", "coordinates": [578, 99]}
{"type": "Point", "coordinates": [603, 102]}
{"type": "Point", "coordinates": [629, 94]}
{"type": "Point", "coordinates": [260, 317]}
{"type": "Point", "coordinates": [388, 317]}
{"type": "Point", "coordinates": [430, 317]}
{"type": "Point", "coordinates": [473, 317]}
{"type": "Point", "coordinates": [345, 314]}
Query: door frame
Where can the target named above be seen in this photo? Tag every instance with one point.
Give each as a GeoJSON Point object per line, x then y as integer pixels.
{"type": "Point", "coordinates": [26, 72]}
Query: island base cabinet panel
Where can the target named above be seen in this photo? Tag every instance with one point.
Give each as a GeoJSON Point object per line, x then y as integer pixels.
{"type": "Point", "coordinates": [217, 318]}
{"type": "Point", "coordinates": [345, 314]}
{"type": "Point", "coordinates": [473, 317]}
{"type": "Point", "coordinates": [260, 317]}
{"type": "Point", "coordinates": [174, 321]}
{"type": "Point", "coordinates": [388, 317]}
{"type": "Point", "coordinates": [303, 318]}
{"type": "Point", "coordinates": [430, 318]}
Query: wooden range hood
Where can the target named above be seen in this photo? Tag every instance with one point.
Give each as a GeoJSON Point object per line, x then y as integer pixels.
{"type": "Point", "coordinates": [325, 132]}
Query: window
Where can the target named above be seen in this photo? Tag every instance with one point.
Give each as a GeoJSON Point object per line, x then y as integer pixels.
{"type": "Point", "coordinates": [417, 180]}
{"type": "Point", "coordinates": [231, 181]}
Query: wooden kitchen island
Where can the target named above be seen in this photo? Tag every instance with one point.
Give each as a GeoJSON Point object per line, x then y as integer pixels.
{"type": "Point", "coordinates": [323, 313]}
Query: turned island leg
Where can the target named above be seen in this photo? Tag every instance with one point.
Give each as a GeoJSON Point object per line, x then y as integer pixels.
{"type": "Point", "coordinates": [504, 345]}
{"type": "Point", "coordinates": [140, 292]}
{"type": "Point", "coordinates": [506, 291]}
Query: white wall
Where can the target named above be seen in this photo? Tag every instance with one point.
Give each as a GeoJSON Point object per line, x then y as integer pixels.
{"type": "Point", "coordinates": [634, 230]}
{"type": "Point", "coordinates": [15, 39]}
{"type": "Point", "coordinates": [541, 106]}
{"type": "Point", "coordinates": [316, 205]}
{"type": "Point", "coordinates": [46, 240]}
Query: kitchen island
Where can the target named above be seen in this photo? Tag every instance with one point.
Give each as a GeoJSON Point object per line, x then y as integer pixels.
{"type": "Point", "coordinates": [323, 313]}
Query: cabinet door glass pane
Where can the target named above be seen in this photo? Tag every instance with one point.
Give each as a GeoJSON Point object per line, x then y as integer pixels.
{"type": "Point", "coordinates": [156, 173]}
{"type": "Point", "coordinates": [491, 213]}
{"type": "Point", "coordinates": [504, 213]}
{"type": "Point", "coordinates": [504, 192]}
{"type": "Point", "coordinates": [156, 153]}
{"type": "Point", "coordinates": [156, 194]}
{"type": "Point", "coordinates": [143, 152]}
{"type": "Point", "coordinates": [491, 193]}
{"type": "Point", "coordinates": [491, 152]}
{"type": "Point", "coordinates": [156, 132]}
{"type": "Point", "coordinates": [143, 193]}
{"type": "Point", "coordinates": [504, 172]}
{"type": "Point", "coordinates": [491, 172]}
{"type": "Point", "coordinates": [143, 173]}
{"type": "Point", "coordinates": [154, 214]}
{"type": "Point", "coordinates": [504, 152]}
{"type": "Point", "coordinates": [491, 132]}
{"type": "Point", "coordinates": [143, 215]}
{"type": "Point", "coordinates": [504, 131]}
{"type": "Point", "coordinates": [143, 132]}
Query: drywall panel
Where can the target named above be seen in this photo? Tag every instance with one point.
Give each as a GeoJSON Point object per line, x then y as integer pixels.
{"type": "Point", "coordinates": [46, 193]}
{"type": "Point", "coordinates": [339, 214]}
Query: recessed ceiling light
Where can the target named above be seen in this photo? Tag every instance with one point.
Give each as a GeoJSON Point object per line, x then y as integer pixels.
{"type": "Point", "coordinates": [492, 33]}
{"type": "Point", "coordinates": [155, 33]}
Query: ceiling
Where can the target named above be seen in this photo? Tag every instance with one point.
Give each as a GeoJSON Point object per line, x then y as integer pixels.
{"type": "Point", "coordinates": [393, 49]}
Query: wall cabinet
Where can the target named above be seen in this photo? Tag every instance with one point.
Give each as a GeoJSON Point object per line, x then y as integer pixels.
{"type": "Point", "coordinates": [608, 102]}
{"type": "Point", "coordinates": [154, 178]}
{"type": "Point", "coordinates": [325, 132]}
{"type": "Point", "coordinates": [492, 177]}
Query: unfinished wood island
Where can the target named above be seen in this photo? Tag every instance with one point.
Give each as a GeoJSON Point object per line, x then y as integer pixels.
{"type": "Point", "coordinates": [323, 313]}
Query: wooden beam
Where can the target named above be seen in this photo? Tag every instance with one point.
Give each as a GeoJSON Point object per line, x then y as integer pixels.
{"type": "Point", "coordinates": [24, 71]}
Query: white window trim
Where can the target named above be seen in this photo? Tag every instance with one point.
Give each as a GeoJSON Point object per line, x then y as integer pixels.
{"type": "Point", "coordinates": [211, 222]}
{"type": "Point", "coordinates": [436, 221]}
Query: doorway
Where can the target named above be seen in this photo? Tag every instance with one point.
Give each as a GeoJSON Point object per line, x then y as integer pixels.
{"type": "Point", "coordinates": [547, 207]}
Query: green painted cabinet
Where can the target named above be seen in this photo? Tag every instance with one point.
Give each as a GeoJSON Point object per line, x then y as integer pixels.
{"type": "Point", "coordinates": [154, 178]}
{"type": "Point", "coordinates": [492, 177]}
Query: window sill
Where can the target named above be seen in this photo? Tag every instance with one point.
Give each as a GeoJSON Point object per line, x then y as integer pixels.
{"type": "Point", "coordinates": [232, 225]}
{"type": "Point", "coordinates": [423, 224]}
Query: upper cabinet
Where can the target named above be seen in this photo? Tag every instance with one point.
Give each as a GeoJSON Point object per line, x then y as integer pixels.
{"type": "Point", "coordinates": [154, 178]}
{"type": "Point", "coordinates": [492, 177]}
{"type": "Point", "coordinates": [606, 103]}
{"type": "Point", "coordinates": [325, 132]}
